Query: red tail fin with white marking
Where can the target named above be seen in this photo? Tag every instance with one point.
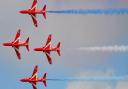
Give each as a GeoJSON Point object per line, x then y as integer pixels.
{"type": "Point", "coordinates": [44, 11]}
{"type": "Point", "coordinates": [44, 80]}
{"type": "Point", "coordinates": [27, 44]}
{"type": "Point", "coordinates": [58, 49]}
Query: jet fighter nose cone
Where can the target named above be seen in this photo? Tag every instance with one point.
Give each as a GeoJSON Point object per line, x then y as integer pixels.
{"type": "Point", "coordinates": [4, 44]}
{"type": "Point", "coordinates": [21, 80]}
{"type": "Point", "coordinates": [35, 49]}
{"type": "Point", "coordinates": [21, 11]}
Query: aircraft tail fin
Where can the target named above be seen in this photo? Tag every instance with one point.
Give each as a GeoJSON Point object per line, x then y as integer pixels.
{"type": "Point", "coordinates": [44, 79]}
{"type": "Point", "coordinates": [44, 11]}
{"type": "Point", "coordinates": [27, 43]}
{"type": "Point", "coordinates": [58, 49]}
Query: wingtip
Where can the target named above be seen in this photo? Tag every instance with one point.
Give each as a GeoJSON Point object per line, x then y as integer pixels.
{"type": "Point", "coordinates": [50, 35]}
{"type": "Point", "coordinates": [36, 67]}
{"type": "Point", "coordinates": [45, 5]}
{"type": "Point", "coordinates": [19, 29]}
{"type": "Point", "coordinates": [19, 58]}
{"type": "Point", "coordinates": [35, 25]}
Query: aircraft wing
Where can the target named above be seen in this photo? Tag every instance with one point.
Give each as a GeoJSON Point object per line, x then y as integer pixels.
{"type": "Point", "coordinates": [49, 39]}
{"type": "Point", "coordinates": [34, 4]}
{"type": "Point", "coordinates": [17, 52]}
{"type": "Point", "coordinates": [17, 37]}
{"type": "Point", "coordinates": [34, 77]}
{"type": "Point", "coordinates": [48, 43]}
{"type": "Point", "coordinates": [35, 70]}
{"type": "Point", "coordinates": [34, 85]}
{"type": "Point", "coordinates": [48, 57]}
{"type": "Point", "coordinates": [34, 19]}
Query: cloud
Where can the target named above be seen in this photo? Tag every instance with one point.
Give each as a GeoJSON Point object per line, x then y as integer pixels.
{"type": "Point", "coordinates": [122, 85]}
{"type": "Point", "coordinates": [115, 48]}
{"type": "Point", "coordinates": [88, 85]}
{"type": "Point", "coordinates": [96, 84]}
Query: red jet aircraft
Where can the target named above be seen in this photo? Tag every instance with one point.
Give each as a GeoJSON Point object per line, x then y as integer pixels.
{"type": "Point", "coordinates": [47, 49]}
{"type": "Point", "coordinates": [16, 44]}
{"type": "Point", "coordinates": [33, 79]}
{"type": "Point", "coordinates": [33, 12]}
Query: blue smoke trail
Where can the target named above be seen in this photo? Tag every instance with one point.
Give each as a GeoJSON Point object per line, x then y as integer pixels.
{"type": "Point", "coordinates": [91, 11]}
{"type": "Point", "coordinates": [91, 79]}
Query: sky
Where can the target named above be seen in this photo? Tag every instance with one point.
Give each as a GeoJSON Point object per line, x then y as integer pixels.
{"type": "Point", "coordinates": [74, 32]}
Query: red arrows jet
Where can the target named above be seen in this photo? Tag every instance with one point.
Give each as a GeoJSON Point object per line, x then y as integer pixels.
{"type": "Point", "coordinates": [33, 79]}
{"type": "Point", "coordinates": [47, 49]}
{"type": "Point", "coordinates": [33, 12]}
{"type": "Point", "coordinates": [16, 44]}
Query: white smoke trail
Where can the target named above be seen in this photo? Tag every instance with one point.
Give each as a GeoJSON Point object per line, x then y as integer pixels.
{"type": "Point", "coordinates": [115, 48]}
{"type": "Point", "coordinates": [114, 78]}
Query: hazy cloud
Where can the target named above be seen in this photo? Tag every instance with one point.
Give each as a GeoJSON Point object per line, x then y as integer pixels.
{"type": "Point", "coordinates": [96, 84]}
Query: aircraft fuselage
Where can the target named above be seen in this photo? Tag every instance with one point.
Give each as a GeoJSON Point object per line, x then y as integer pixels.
{"type": "Point", "coordinates": [13, 44]}
{"type": "Point", "coordinates": [30, 80]}
{"type": "Point", "coordinates": [45, 50]}
{"type": "Point", "coordinates": [32, 12]}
